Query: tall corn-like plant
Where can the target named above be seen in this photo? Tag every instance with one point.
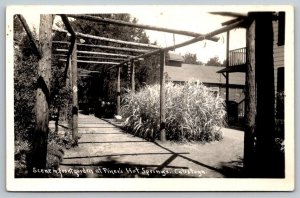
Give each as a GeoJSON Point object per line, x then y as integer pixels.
{"type": "Point", "coordinates": [192, 112]}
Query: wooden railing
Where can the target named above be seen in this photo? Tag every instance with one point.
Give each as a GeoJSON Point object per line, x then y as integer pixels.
{"type": "Point", "coordinates": [237, 57]}
{"type": "Point", "coordinates": [241, 109]}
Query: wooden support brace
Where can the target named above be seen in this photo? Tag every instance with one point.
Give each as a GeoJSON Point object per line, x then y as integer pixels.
{"type": "Point", "coordinates": [73, 39]}
{"type": "Point", "coordinates": [31, 37]}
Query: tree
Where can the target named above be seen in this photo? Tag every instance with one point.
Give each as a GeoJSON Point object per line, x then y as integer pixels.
{"type": "Point", "coordinates": [190, 58]}
{"type": "Point", "coordinates": [103, 84]}
{"type": "Point", "coordinates": [214, 61]}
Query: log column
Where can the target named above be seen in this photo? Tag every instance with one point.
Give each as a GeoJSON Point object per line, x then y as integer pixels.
{"type": "Point", "coordinates": [132, 76]}
{"type": "Point", "coordinates": [39, 152]}
{"type": "Point", "coordinates": [75, 95]}
{"type": "Point", "coordinates": [119, 91]}
{"type": "Point", "coordinates": [162, 98]}
{"type": "Point", "coordinates": [227, 65]}
{"type": "Point", "coordinates": [259, 156]}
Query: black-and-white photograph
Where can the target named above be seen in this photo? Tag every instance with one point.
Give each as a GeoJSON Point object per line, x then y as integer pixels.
{"type": "Point", "coordinates": [150, 93]}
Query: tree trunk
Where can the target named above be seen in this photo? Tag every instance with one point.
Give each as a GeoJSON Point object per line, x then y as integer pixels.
{"type": "Point", "coordinates": [259, 126]}
{"type": "Point", "coordinates": [250, 102]}
{"type": "Point", "coordinates": [39, 152]}
{"type": "Point", "coordinates": [265, 118]}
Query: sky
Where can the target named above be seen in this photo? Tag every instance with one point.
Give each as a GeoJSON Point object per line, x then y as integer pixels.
{"type": "Point", "coordinates": [200, 22]}
{"type": "Point", "coordinates": [181, 19]}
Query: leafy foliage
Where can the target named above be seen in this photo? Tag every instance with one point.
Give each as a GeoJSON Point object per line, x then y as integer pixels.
{"type": "Point", "coordinates": [25, 76]}
{"type": "Point", "coordinates": [192, 112]}
{"type": "Point", "coordinates": [190, 58]}
{"type": "Point", "coordinates": [102, 86]}
{"type": "Point", "coordinates": [214, 62]}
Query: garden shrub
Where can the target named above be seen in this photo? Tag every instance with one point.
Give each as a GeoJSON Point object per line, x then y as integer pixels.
{"type": "Point", "coordinates": [193, 112]}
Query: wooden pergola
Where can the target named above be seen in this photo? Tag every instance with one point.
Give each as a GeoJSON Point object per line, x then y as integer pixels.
{"type": "Point", "coordinates": [120, 59]}
{"type": "Point", "coordinates": [253, 22]}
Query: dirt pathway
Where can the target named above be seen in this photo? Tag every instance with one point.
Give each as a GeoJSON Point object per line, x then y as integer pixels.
{"type": "Point", "coordinates": [106, 151]}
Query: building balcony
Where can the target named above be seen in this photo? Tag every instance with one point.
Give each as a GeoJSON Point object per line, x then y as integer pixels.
{"type": "Point", "coordinates": [237, 57]}
{"type": "Point", "coordinates": [237, 61]}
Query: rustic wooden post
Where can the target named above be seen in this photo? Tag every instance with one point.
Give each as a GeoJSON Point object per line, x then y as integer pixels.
{"type": "Point", "coordinates": [227, 65]}
{"type": "Point", "coordinates": [265, 118]}
{"type": "Point", "coordinates": [260, 121]}
{"type": "Point", "coordinates": [250, 102]}
{"type": "Point", "coordinates": [39, 152]}
{"type": "Point", "coordinates": [119, 91]}
{"type": "Point", "coordinates": [69, 83]}
{"type": "Point", "coordinates": [132, 76]}
{"type": "Point", "coordinates": [75, 95]}
{"type": "Point", "coordinates": [162, 98]}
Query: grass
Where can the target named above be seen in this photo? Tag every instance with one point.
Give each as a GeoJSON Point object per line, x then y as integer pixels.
{"type": "Point", "coordinates": [193, 112]}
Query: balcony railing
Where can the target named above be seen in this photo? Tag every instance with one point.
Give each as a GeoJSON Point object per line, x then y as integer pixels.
{"type": "Point", "coordinates": [237, 57]}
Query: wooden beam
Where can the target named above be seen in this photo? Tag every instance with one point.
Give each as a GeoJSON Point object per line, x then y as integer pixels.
{"type": "Point", "coordinates": [93, 57]}
{"type": "Point", "coordinates": [106, 54]}
{"type": "Point", "coordinates": [115, 48]}
{"type": "Point", "coordinates": [40, 135]}
{"type": "Point", "coordinates": [94, 62]}
{"type": "Point", "coordinates": [102, 57]}
{"type": "Point", "coordinates": [75, 96]}
{"type": "Point", "coordinates": [87, 71]}
{"type": "Point", "coordinates": [31, 37]}
{"type": "Point", "coordinates": [232, 21]}
{"type": "Point", "coordinates": [105, 47]}
{"type": "Point", "coordinates": [148, 27]}
{"type": "Point", "coordinates": [110, 40]}
{"type": "Point", "coordinates": [162, 98]}
{"type": "Point", "coordinates": [194, 40]}
{"type": "Point", "coordinates": [230, 14]}
{"type": "Point", "coordinates": [84, 75]}
{"type": "Point", "coordinates": [117, 41]}
{"type": "Point", "coordinates": [63, 55]}
{"type": "Point", "coordinates": [97, 53]}
{"type": "Point", "coordinates": [62, 42]}
{"type": "Point", "coordinates": [119, 91]}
